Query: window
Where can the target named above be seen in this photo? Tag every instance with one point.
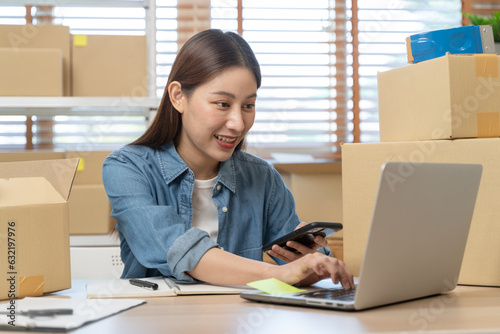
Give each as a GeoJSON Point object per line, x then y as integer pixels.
{"type": "Point", "coordinates": [319, 61]}
{"type": "Point", "coordinates": [379, 45]}
{"type": "Point", "coordinates": [300, 108]}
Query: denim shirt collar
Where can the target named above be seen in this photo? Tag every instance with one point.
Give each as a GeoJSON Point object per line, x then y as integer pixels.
{"type": "Point", "coordinates": [172, 166]}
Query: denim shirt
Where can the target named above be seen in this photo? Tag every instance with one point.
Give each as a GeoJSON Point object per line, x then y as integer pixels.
{"type": "Point", "coordinates": [150, 193]}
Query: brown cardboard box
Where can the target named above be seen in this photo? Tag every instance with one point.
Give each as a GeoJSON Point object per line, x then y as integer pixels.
{"type": "Point", "coordinates": [454, 96]}
{"type": "Point", "coordinates": [30, 156]}
{"type": "Point", "coordinates": [109, 66]}
{"type": "Point", "coordinates": [89, 205]}
{"type": "Point", "coordinates": [89, 210]}
{"type": "Point", "coordinates": [34, 236]}
{"type": "Point", "coordinates": [31, 72]}
{"type": "Point", "coordinates": [361, 166]}
{"type": "Point", "coordinates": [19, 37]}
{"type": "Point", "coordinates": [90, 167]}
{"type": "Point", "coordinates": [317, 190]}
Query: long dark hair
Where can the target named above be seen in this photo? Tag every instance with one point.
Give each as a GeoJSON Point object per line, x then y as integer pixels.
{"type": "Point", "coordinates": [202, 57]}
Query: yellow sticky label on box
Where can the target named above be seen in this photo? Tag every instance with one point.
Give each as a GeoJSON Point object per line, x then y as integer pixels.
{"type": "Point", "coordinates": [80, 40]}
{"type": "Point", "coordinates": [81, 165]}
{"type": "Point", "coordinates": [274, 286]}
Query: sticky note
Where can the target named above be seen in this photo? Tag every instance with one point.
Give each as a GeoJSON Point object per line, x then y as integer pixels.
{"type": "Point", "coordinates": [80, 40]}
{"type": "Point", "coordinates": [274, 286]}
{"type": "Point", "coordinates": [81, 165]}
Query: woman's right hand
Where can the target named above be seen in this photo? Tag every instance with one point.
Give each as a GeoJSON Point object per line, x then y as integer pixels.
{"type": "Point", "coordinates": [314, 267]}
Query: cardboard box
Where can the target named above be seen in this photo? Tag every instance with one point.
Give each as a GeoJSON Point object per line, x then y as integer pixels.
{"type": "Point", "coordinates": [361, 165]}
{"type": "Point", "coordinates": [317, 189]}
{"type": "Point", "coordinates": [90, 167]}
{"type": "Point", "coordinates": [34, 233]}
{"type": "Point", "coordinates": [17, 37]}
{"type": "Point", "coordinates": [109, 66]}
{"type": "Point", "coordinates": [89, 210]}
{"type": "Point", "coordinates": [454, 96]}
{"type": "Point", "coordinates": [30, 156]}
{"type": "Point", "coordinates": [31, 72]}
{"type": "Point", "coordinates": [89, 207]}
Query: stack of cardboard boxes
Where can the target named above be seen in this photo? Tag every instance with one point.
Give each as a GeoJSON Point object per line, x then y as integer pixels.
{"type": "Point", "coordinates": [441, 110]}
{"type": "Point", "coordinates": [40, 194]}
{"type": "Point", "coordinates": [46, 60]}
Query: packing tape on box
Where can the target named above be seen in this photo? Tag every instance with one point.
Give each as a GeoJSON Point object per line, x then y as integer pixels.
{"type": "Point", "coordinates": [488, 124]}
{"type": "Point", "coordinates": [486, 65]}
{"type": "Point", "coordinates": [408, 50]}
{"type": "Point", "coordinates": [30, 286]}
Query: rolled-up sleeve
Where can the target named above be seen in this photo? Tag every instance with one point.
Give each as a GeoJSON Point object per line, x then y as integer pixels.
{"type": "Point", "coordinates": [156, 234]}
{"type": "Point", "coordinates": [187, 250]}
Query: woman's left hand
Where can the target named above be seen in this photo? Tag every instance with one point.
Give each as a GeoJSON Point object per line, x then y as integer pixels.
{"type": "Point", "coordinates": [301, 250]}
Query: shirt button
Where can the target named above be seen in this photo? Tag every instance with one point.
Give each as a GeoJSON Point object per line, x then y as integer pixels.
{"type": "Point", "coordinates": [224, 209]}
{"type": "Point", "coordinates": [218, 187]}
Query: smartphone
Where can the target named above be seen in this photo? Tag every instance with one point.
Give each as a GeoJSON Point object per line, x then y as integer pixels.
{"type": "Point", "coordinates": [305, 235]}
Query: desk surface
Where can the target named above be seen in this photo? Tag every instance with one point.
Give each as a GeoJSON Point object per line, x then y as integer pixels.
{"type": "Point", "coordinates": [467, 309]}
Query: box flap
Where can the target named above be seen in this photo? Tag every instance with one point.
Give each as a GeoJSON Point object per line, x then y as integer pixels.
{"type": "Point", "coordinates": [28, 191]}
{"type": "Point", "coordinates": [60, 173]}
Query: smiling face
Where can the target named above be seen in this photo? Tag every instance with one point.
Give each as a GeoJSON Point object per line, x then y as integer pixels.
{"type": "Point", "coordinates": [216, 116]}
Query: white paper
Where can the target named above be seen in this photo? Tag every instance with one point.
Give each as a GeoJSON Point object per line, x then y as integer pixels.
{"type": "Point", "coordinates": [84, 311]}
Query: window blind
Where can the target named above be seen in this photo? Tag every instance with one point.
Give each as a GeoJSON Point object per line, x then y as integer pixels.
{"type": "Point", "coordinates": [299, 107]}
{"type": "Point", "coordinates": [319, 62]}
{"type": "Point", "coordinates": [378, 33]}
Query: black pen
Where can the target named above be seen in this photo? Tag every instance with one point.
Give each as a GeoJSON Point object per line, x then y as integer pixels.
{"type": "Point", "coordinates": [44, 313]}
{"type": "Point", "coordinates": [144, 284]}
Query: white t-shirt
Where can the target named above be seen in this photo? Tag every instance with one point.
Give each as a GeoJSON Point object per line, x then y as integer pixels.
{"type": "Point", "coordinates": [205, 215]}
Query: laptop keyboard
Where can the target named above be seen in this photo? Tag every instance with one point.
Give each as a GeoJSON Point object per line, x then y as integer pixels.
{"type": "Point", "coordinates": [331, 294]}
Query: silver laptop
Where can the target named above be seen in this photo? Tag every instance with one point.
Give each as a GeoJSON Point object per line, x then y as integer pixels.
{"type": "Point", "coordinates": [416, 241]}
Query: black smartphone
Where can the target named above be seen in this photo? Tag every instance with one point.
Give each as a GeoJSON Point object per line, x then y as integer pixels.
{"type": "Point", "coordinates": [305, 235]}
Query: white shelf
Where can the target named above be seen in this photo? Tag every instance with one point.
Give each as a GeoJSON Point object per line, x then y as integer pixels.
{"type": "Point", "coordinates": [77, 106]}
{"type": "Point", "coordinates": [80, 3]}
{"type": "Point", "coordinates": [101, 240]}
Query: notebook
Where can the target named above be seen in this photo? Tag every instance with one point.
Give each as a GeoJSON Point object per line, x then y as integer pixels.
{"type": "Point", "coordinates": [166, 287]}
{"type": "Point", "coordinates": [417, 238]}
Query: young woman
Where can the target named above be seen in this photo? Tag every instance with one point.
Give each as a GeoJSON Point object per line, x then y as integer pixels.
{"type": "Point", "coordinates": [188, 202]}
